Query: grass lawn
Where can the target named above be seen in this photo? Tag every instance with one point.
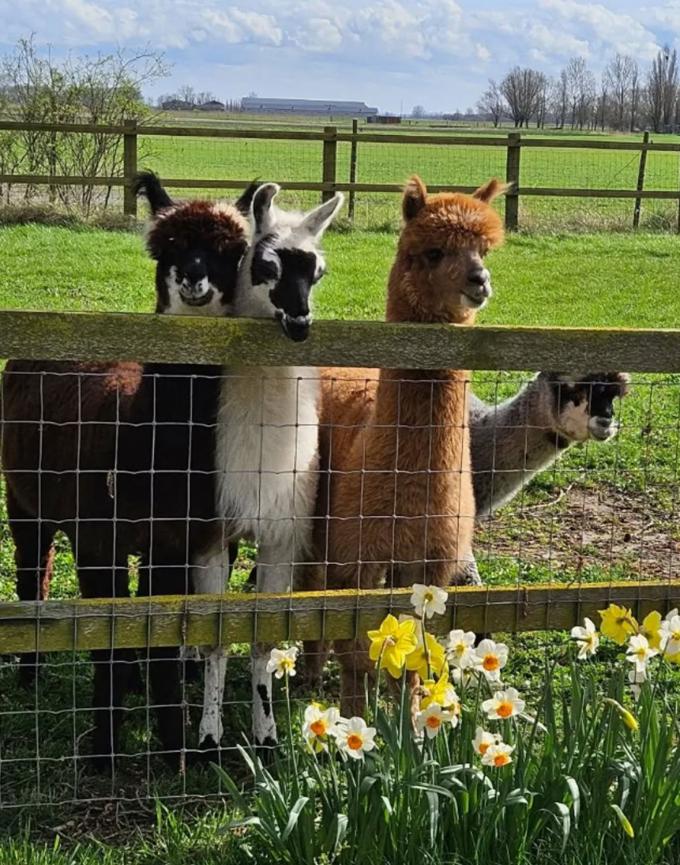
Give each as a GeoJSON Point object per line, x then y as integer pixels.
{"type": "Point", "coordinates": [607, 511]}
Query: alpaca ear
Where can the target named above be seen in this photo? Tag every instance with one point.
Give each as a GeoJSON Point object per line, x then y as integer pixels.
{"type": "Point", "coordinates": [490, 190]}
{"type": "Point", "coordinates": [261, 208]}
{"type": "Point", "coordinates": [245, 199]}
{"type": "Point", "coordinates": [318, 220]}
{"type": "Point", "coordinates": [415, 197]}
{"type": "Point", "coordinates": [623, 381]}
{"type": "Point", "coordinates": [148, 184]}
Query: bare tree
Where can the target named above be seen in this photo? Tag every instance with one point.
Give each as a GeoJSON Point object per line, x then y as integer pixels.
{"type": "Point", "coordinates": [620, 74]}
{"type": "Point", "coordinates": [522, 89]}
{"type": "Point", "coordinates": [634, 97]}
{"type": "Point", "coordinates": [418, 112]}
{"type": "Point", "coordinates": [186, 93]}
{"type": "Point", "coordinates": [581, 84]}
{"type": "Point", "coordinates": [493, 103]}
{"type": "Point", "coordinates": [559, 99]}
{"type": "Point", "coordinates": [662, 90]}
{"type": "Point", "coordinates": [105, 90]}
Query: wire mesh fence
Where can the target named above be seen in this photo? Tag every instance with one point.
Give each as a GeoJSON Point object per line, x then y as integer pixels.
{"type": "Point", "coordinates": [589, 184]}
{"type": "Point", "coordinates": [121, 481]}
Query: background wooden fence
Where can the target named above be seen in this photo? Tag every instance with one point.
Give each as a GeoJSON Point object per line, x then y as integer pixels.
{"type": "Point", "coordinates": [513, 143]}
{"type": "Point", "coordinates": [87, 624]}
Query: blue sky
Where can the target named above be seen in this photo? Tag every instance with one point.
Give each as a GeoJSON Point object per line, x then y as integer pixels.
{"type": "Point", "coordinates": [390, 53]}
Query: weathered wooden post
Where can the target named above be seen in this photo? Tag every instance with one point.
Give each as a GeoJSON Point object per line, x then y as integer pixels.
{"type": "Point", "coordinates": [353, 167]}
{"type": "Point", "coordinates": [512, 166]}
{"type": "Point", "coordinates": [640, 180]}
{"type": "Point", "coordinates": [129, 167]}
{"type": "Point", "coordinates": [330, 159]}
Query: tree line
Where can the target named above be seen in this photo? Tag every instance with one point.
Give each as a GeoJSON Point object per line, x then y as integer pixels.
{"type": "Point", "coordinates": [626, 97]}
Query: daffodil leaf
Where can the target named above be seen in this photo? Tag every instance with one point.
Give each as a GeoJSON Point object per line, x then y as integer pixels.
{"type": "Point", "coordinates": [295, 812]}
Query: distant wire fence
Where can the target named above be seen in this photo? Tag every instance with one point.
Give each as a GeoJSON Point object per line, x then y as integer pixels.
{"type": "Point", "coordinates": [559, 182]}
{"type": "Point", "coordinates": [594, 532]}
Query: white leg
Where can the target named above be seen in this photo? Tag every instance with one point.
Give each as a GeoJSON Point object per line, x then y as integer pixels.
{"type": "Point", "coordinates": [209, 577]}
{"type": "Point", "coordinates": [274, 574]}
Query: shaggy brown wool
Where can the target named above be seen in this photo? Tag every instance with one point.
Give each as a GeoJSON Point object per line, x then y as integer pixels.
{"type": "Point", "coordinates": [398, 504]}
{"type": "Point", "coordinates": [213, 225]}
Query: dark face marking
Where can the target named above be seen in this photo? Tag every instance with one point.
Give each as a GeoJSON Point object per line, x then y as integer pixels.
{"type": "Point", "coordinates": [199, 271]}
{"type": "Point", "coordinates": [292, 273]}
{"type": "Point", "coordinates": [594, 393]}
{"type": "Point", "coordinates": [264, 696]}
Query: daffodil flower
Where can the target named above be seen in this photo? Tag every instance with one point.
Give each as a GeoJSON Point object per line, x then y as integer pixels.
{"type": "Point", "coordinates": [490, 659]}
{"type": "Point", "coordinates": [430, 720]}
{"type": "Point", "coordinates": [392, 643]}
{"type": "Point", "coordinates": [417, 661]}
{"type": "Point", "coordinates": [504, 704]}
{"type": "Point", "coordinates": [651, 629]}
{"type": "Point", "coordinates": [484, 740]}
{"type": "Point", "coordinates": [428, 600]}
{"type": "Point", "coordinates": [354, 738]}
{"type": "Point", "coordinates": [670, 634]}
{"type": "Point", "coordinates": [639, 652]}
{"type": "Point", "coordinates": [587, 638]}
{"type": "Point", "coordinates": [498, 755]}
{"type": "Point", "coordinates": [319, 725]}
{"type": "Point", "coordinates": [439, 691]}
{"type": "Point", "coordinates": [618, 623]}
{"type": "Point", "coordinates": [627, 717]}
{"type": "Point", "coordinates": [282, 662]}
{"type": "Point", "coordinates": [460, 649]}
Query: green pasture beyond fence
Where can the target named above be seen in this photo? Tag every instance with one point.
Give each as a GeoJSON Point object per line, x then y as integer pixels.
{"type": "Point", "coordinates": [231, 618]}
{"type": "Point", "coordinates": [603, 182]}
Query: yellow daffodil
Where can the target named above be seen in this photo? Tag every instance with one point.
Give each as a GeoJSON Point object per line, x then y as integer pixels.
{"type": "Point", "coordinates": [439, 691]}
{"type": "Point", "coordinates": [392, 643]}
{"type": "Point", "coordinates": [651, 629]}
{"type": "Point", "coordinates": [624, 821]}
{"type": "Point", "coordinates": [417, 660]}
{"type": "Point", "coordinates": [627, 717]}
{"type": "Point", "coordinates": [618, 623]}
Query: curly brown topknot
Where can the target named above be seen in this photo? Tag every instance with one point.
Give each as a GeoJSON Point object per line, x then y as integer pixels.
{"type": "Point", "coordinates": [197, 223]}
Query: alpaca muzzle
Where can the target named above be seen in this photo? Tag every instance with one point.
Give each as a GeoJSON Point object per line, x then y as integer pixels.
{"type": "Point", "coordinates": [296, 327]}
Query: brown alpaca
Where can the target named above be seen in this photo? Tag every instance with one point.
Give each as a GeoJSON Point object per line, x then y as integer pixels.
{"type": "Point", "coordinates": [398, 502]}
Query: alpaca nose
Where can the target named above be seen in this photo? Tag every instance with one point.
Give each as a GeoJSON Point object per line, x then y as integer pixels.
{"type": "Point", "coordinates": [479, 276]}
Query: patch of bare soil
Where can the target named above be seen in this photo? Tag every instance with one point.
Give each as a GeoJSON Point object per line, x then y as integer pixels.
{"type": "Point", "coordinates": [624, 533]}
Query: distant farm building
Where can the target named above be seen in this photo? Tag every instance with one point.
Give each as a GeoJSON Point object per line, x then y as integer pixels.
{"type": "Point", "coordinates": [212, 105]}
{"type": "Point", "coordinates": [383, 118]}
{"type": "Point", "coordinates": [257, 105]}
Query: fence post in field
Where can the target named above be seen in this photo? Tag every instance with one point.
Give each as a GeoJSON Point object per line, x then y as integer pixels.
{"type": "Point", "coordinates": [129, 167]}
{"type": "Point", "coordinates": [330, 158]}
{"type": "Point", "coordinates": [512, 176]}
{"type": "Point", "coordinates": [640, 180]}
{"type": "Point", "coordinates": [353, 167]}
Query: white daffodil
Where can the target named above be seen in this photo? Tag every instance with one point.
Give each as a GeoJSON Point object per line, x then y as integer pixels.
{"type": "Point", "coordinates": [428, 600]}
{"type": "Point", "coordinates": [639, 651]}
{"type": "Point", "coordinates": [484, 740]}
{"type": "Point", "coordinates": [460, 649]}
{"type": "Point", "coordinates": [504, 704]}
{"type": "Point", "coordinates": [354, 738]}
{"type": "Point", "coordinates": [670, 633]}
{"type": "Point", "coordinates": [430, 720]}
{"type": "Point", "coordinates": [636, 678]}
{"type": "Point", "coordinates": [498, 755]}
{"type": "Point", "coordinates": [490, 658]}
{"type": "Point", "coordinates": [282, 662]}
{"type": "Point", "coordinates": [318, 725]}
{"type": "Point", "coordinates": [587, 638]}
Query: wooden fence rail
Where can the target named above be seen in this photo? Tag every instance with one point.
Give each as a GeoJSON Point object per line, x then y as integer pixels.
{"type": "Point", "coordinates": [51, 626]}
{"type": "Point", "coordinates": [243, 342]}
{"type": "Point", "coordinates": [329, 182]}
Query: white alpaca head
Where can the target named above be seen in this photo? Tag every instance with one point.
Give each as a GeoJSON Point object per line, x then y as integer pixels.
{"type": "Point", "coordinates": [284, 262]}
{"type": "Point", "coordinates": [583, 405]}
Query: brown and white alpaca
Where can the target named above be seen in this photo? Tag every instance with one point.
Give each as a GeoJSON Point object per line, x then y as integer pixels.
{"type": "Point", "coordinates": [397, 504]}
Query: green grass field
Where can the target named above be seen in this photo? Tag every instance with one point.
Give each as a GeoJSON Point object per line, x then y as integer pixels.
{"type": "Point", "coordinates": [606, 512]}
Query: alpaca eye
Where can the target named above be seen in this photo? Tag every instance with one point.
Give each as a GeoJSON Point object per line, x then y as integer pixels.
{"type": "Point", "coordinates": [433, 256]}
